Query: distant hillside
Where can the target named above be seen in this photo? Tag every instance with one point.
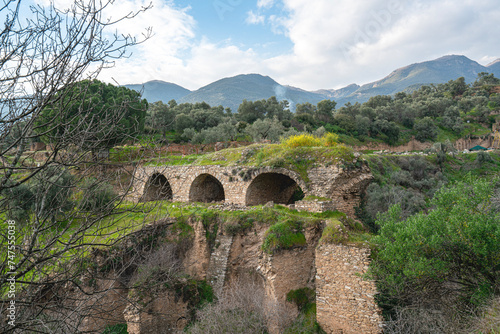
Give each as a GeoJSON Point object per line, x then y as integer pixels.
{"type": "Point", "coordinates": [334, 94]}
{"type": "Point", "coordinates": [436, 71]}
{"type": "Point", "coordinates": [494, 68]}
{"type": "Point", "coordinates": [230, 92]}
{"type": "Point", "coordinates": [157, 90]}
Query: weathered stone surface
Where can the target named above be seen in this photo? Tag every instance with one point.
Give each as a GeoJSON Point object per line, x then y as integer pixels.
{"type": "Point", "coordinates": [315, 206]}
{"type": "Point", "coordinates": [163, 314]}
{"type": "Point", "coordinates": [289, 269]}
{"type": "Point", "coordinates": [101, 304]}
{"type": "Point", "coordinates": [197, 257]}
{"type": "Point", "coordinates": [250, 186]}
{"type": "Point", "coordinates": [218, 263]}
{"type": "Point", "coordinates": [344, 299]}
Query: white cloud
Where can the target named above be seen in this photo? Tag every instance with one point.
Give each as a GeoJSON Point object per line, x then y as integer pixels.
{"type": "Point", "coordinates": [265, 3]}
{"type": "Point", "coordinates": [175, 54]}
{"type": "Point", "coordinates": [253, 18]}
{"type": "Point", "coordinates": [344, 41]}
{"type": "Point", "coordinates": [335, 43]}
{"type": "Point", "coordinates": [173, 37]}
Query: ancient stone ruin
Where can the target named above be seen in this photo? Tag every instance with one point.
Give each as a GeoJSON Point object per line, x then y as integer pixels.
{"type": "Point", "coordinates": [250, 186]}
{"type": "Point", "coordinates": [344, 298]}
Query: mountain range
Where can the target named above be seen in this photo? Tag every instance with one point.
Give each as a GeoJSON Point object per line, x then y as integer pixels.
{"type": "Point", "coordinates": [230, 92]}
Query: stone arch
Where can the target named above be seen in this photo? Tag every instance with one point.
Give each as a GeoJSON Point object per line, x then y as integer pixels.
{"type": "Point", "coordinates": [206, 188]}
{"type": "Point", "coordinates": [272, 186]}
{"type": "Point", "coordinates": [157, 188]}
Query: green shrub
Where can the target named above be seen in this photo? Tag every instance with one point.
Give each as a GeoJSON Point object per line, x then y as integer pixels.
{"type": "Point", "coordinates": [239, 225]}
{"type": "Point", "coordinates": [305, 299]}
{"type": "Point", "coordinates": [97, 196]}
{"type": "Point", "coordinates": [308, 140]}
{"type": "Point", "coordinates": [116, 329]}
{"type": "Point", "coordinates": [210, 220]}
{"type": "Point", "coordinates": [53, 188]}
{"type": "Point", "coordinates": [18, 201]}
{"type": "Point", "coordinates": [301, 297]}
{"type": "Point", "coordinates": [330, 139]}
{"type": "Point", "coordinates": [457, 241]}
{"type": "Point", "coordinates": [284, 235]}
{"type": "Point", "coordinates": [195, 292]}
{"type": "Point", "coordinates": [182, 229]}
{"type": "Point", "coordinates": [303, 140]}
{"type": "Point", "coordinates": [483, 157]}
{"type": "Point", "coordinates": [425, 129]}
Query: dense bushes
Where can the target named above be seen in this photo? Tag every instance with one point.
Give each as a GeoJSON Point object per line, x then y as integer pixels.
{"type": "Point", "coordinates": [407, 181]}
{"type": "Point", "coordinates": [451, 109]}
{"type": "Point", "coordinates": [48, 194]}
{"type": "Point", "coordinates": [450, 254]}
{"type": "Point", "coordinates": [97, 196]}
{"type": "Point", "coordinates": [54, 192]}
{"type": "Point", "coordinates": [306, 140]}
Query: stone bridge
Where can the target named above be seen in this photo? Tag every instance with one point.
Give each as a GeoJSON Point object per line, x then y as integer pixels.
{"type": "Point", "coordinates": [250, 186]}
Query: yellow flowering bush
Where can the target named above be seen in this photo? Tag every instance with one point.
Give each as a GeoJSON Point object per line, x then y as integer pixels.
{"type": "Point", "coordinates": [309, 140]}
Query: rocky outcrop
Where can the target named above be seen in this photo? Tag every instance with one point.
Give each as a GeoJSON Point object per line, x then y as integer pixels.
{"type": "Point", "coordinates": [344, 298]}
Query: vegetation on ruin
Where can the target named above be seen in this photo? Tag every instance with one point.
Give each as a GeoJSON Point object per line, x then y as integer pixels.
{"type": "Point", "coordinates": [298, 153]}
{"type": "Point", "coordinates": [305, 300]}
{"type": "Point", "coordinates": [284, 235]}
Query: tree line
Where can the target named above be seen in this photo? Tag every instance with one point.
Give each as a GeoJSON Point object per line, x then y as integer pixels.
{"type": "Point", "coordinates": [454, 108]}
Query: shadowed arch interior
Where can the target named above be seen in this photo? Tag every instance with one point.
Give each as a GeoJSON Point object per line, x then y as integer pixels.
{"type": "Point", "coordinates": [157, 188]}
{"type": "Point", "coordinates": [206, 188]}
{"type": "Point", "coordinates": [276, 187]}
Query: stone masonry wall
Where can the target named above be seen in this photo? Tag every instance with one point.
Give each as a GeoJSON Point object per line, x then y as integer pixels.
{"type": "Point", "coordinates": [218, 263]}
{"type": "Point", "coordinates": [414, 145]}
{"type": "Point", "coordinates": [344, 300]}
{"type": "Point", "coordinates": [315, 206]}
{"type": "Point", "coordinates": [343, 186]}
{"type": "Point", "coordinates": [235, 180]}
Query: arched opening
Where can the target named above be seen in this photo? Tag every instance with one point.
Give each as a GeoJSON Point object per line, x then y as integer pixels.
{"type": "Point", "coordinates": [157, 188]}
{"type": "Point", "coordinates": [206, 189]}
{"type": "Point", "coordinates": [279, 188]}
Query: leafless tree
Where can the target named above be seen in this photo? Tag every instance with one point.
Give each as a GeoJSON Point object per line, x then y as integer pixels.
{"type": "Point", "coordinates": [44, 53]}
{"type": "Point", "coordinates": [244, 307]}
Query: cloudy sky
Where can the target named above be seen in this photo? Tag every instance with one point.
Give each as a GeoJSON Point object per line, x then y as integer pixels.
{"type": "Point", "coordinates": [311, 44]}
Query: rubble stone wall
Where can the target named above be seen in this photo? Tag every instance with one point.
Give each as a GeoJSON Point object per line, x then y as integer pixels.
{"type": "Point", "coordinates": [344, 298]}
{"type": "Point", "coordinates": [247, 186]}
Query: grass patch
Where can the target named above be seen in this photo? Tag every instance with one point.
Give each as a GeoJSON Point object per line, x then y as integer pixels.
{"type": "Point", "coordinates": [116, 329]}
{"type": "Point", "coordinates": [294, 155]}
{"type": "Point", "coordinates": [172, 160]}
{"type": "Point", "coordinates": [284, 235]}
{"type": "Point", "coordinates": [345, 231]}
